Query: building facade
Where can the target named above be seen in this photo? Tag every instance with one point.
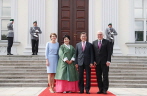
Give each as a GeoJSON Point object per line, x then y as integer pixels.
{"type": "Point", "coordinates": [129, 18]}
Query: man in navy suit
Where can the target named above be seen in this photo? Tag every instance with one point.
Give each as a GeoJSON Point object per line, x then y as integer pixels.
{"type": "Point", "coordinates": [84, 60]}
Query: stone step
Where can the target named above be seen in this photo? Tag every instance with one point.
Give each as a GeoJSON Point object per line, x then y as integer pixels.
{"type": "Point", "coordinates": [23, 70]}
{"type": "Point", "coordinates": [129, 68]}
{"type": "Point", "coordinates": [45, 81]}
{"type": "Point", "coordinates": [45, 85]}
{"type": "Point", "coordinates": [123, 85]}
{"type": "Point", "coordinates": [44, 56]}
{"type": "Point", "coordinates": [113, 60]}
{"type": "Point", "coordinates": [24, 84]}
{"type": "Point", "coordinates": [20, 64]}
{"type": "Point", "coordinates": [93, 70]}
{"type": "Point", "coordinates": [23, 62]}
{"type": "Point", "coordinates": [93, 73]}
{"type": "Point", "coordinates": [43, 64]}
{"type": "Point", "coordinates": [128, 64]}
{"type": "Point", "coordinates": [44, 76]}
{"type": "Point", "coordinates": [22, 67]}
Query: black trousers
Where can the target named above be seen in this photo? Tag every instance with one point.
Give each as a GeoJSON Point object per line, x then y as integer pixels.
{"type": "Point", "coordinates": [35, 46]}
{"type": "Point", "coordinates": [10, 43]}
{"type": "Point", "coordinates": [81, 77]}
{"type": "Point", "coordinates": [102, 71]}
{"type": "Point", "coordinates": [111, 47]}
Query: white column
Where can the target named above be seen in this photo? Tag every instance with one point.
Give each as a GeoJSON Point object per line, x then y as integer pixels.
{"type": "Point", "coordinates": [131, 34]}
{"type": "Point", "coordinates": [132, 22]}
{"type": "Point", "coordinates": [91, 20]}
{"type": "Point", "coordinates": [36, 12]}
{"type": "Point", "coordinates": [55, 16]}
{"type": "Point", "coordinates": [14, 7]}
{"type": "Point", "coordinates": [110, 15]}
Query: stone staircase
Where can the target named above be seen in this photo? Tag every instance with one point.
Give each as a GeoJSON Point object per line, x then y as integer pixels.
{"type": "Point", "coordinates": [30, 71]}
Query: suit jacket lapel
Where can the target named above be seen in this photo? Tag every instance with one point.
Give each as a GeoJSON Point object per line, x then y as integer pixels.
{"type": "Point", "coordinates": [81, 46]}
{"type": "Point", "coordinates": [86, 46]}
{"type": "Point", "coordinates": [96, 44]}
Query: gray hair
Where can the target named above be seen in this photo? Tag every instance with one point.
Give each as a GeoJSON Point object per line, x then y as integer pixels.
{"type": "Point", "coordinates": [100, 32]}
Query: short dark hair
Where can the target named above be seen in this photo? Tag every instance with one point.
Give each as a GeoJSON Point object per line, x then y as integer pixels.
{"type": "Point", "coordinates": [66, 36]}
{"type": "Point", "coordinates": [84, 33]}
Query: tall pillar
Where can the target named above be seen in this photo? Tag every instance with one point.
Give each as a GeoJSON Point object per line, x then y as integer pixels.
{"type": "Point", "coordinates": [110, 15]}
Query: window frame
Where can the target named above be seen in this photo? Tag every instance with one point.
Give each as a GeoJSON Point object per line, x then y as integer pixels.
{"type": "Point", "coordinates": [144, 19]}
{"type": "Point", "coordinates": [4, 17]}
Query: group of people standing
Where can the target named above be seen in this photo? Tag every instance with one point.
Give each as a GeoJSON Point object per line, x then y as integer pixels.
{"type": "Point", "coordinates": [66, 64]}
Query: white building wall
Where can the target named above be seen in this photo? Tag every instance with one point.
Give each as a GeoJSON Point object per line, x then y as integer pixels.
{"type": "Point", "coordinates": [97, 21]}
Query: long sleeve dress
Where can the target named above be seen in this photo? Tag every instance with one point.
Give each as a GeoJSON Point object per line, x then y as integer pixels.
{"type": "Point", "coordinates": [66, 75]}
{"type": "Point", "coordinates": [51, 53]}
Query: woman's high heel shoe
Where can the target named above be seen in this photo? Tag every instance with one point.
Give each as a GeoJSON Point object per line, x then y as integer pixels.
{"type": "Point", "coordinates": [51, 91]}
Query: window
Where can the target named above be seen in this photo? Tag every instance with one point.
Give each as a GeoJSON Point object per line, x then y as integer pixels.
{"type": "Point", "coordinates": [140, 12]}
{"type": "Point", "coordinates": [5, 15]}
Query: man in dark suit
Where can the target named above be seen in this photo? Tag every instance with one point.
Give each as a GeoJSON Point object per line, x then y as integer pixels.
{"type": "Point", "coordinates": [102, 59]}
{"type": "Point", "coordinates": [84, 60]}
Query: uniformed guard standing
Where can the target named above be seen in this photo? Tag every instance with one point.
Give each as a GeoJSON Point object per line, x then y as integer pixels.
{"type": "Point", "coordinates": [110, 33]}
{"type": "Point", "coordinates": [35, 31]}
{"type": "Point", "coordinates": [10, 36]}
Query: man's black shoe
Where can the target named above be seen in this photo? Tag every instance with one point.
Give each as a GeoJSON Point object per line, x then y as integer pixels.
{"type": "Point", "coordinates": [33, 54]}
{"type": "Point", "coordinates": [81, 92]}
{"type": "Point", "coordinates": [104, 92]}
{"type": "Point", "coordinates": [100, 92]}
{"type": "Point", "coordinates": [9, 54]}
{"type": "Point", "coordinates": [87, 92]}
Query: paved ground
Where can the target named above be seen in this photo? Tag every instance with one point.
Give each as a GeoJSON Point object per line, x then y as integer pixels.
{"type": "Point", "coordinates": [34, 91]}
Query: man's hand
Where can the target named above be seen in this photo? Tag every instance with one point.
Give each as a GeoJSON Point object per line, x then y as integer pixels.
{"type": "Point", "coordinates": [95, 64]}
{"type": "Point", "coordinates": [108, 63]}
{"type": "Point", "coordinates": [91, 65]}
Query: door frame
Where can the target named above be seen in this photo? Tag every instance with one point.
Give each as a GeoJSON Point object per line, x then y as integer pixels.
{"type": "Point", "coordinates": [91, 19]}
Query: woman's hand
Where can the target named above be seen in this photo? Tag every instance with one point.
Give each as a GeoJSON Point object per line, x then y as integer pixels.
{"type": "Point", "coordinates": [47, 63]}
{"type": "Point", "coordinates": [70, 61]}
{"type": "Point", "coordinates": [67, 61]}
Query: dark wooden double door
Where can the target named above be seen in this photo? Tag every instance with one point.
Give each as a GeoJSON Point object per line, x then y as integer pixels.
{"type": "Point", "coordinates": [72, 19]}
